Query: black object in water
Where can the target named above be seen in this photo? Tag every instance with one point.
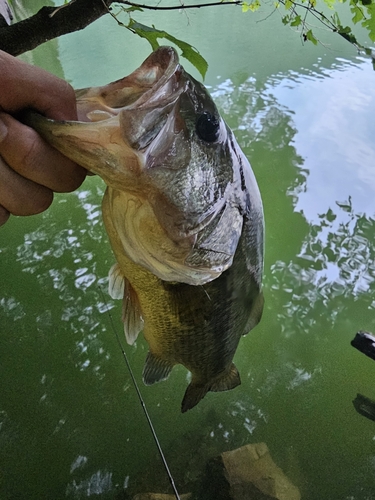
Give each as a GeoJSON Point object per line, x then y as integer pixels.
{"type": "Point", "coordinates": [365, 406]}
{"type": "Point", "coordinates": [365, 342]}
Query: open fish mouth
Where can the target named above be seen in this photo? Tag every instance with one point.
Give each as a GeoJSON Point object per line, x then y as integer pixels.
{"type": "Point", "coordinates": [143, 100]}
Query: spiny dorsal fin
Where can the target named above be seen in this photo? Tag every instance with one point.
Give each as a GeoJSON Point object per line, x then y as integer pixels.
{"type": "Point", "coordinates": [116, 282]}
{"type": "Point", "coordinates": [229, 380]}
{"type": "Point", "coordinates": [131, 313]}
{"type": "Point", "coordinates": [193, 394]}
{"type": "Point", "coordinates": [155, 369]}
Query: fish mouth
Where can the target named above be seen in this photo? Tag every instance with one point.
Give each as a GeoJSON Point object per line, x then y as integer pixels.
{"type": "Point", "coordinates": [118, 121]}
{"type": "Point", "coordinates": [143, 101]}
{"type": "Point", "coordinates": [154, 83]}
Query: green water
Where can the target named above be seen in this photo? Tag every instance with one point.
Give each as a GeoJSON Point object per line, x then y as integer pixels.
{"type": "Point", "coordinates": [70, 422]}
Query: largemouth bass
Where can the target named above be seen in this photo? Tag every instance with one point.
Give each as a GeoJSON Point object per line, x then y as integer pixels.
{"type": "Point", "coordinates": [183, 214]}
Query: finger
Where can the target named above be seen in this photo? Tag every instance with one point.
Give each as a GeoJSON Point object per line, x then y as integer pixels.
{"type": "Point", "coordinates": [45, 92]}
{"type": "Point", "coordinates": [20, 196]}
{"type": "Point", "coordinates": [4, 215]}
{"type": "Point", "coordinates": [30, 156]}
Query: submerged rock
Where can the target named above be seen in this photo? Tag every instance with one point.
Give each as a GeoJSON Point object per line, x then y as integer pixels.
{"type": "Point", "coordinates": [159, 496]}
{"type": "Point", "coordinates": [248, 473]}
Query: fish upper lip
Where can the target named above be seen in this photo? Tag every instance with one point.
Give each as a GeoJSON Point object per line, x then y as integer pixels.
{"type": "Point", "coordinates": [157, 82]}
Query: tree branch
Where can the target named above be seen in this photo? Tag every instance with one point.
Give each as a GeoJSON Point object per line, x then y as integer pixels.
{"type": "Point", "coordinates": [28, 34]}
{"type": "Point", "coordinates": [51, 22]}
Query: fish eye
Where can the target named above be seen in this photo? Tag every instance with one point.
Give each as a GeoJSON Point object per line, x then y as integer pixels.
{"type": "Point", "coordinates": [207, 127]}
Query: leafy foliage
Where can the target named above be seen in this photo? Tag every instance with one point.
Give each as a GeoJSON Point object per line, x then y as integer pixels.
{"type": "Point", "coordinates": [300, 14]}
{"type": "Point", "coordinates": [151, 34]}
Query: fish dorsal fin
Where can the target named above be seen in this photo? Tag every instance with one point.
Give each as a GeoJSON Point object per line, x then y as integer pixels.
{"type": "Point", "coordinates": [131, 313]}
{"type": "Point", "coordinates": [155, 369]}
{"type": "Point", "coordinates": [229, 380]}
{"type": "Point", "coordinates": [193, 394]}
{"type": "Point", "coordinates": [116, 283]}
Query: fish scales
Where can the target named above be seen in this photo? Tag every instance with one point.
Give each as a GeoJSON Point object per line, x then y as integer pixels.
{"type": "Point", "coordinates": [183, 214]}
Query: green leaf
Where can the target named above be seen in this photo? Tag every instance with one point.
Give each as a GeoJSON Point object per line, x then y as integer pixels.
{"type": "Point", "coordinates": [347, 34]}
{"type": "Point", "coordinates": [357, 12]}
{"type": "Point", "coordinates": [309, 36]}
{"type": "Point", "coordinates": [369, 23]}
{"type": "Point", "coordinates": [151, 34]}
{"type": "Point", "coordinates": [330, 3]}
{"type": "Point", "coordinates": [297, 21]}
{"type": "Point", "coordinates": [288, 4]}
{"type": "Point", "coordinates": [254, 6]}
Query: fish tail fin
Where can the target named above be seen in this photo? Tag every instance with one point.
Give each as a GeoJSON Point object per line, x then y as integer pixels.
{"type": "Point", "coordinates": [193, 394]}
{"type": "Point", "coordinates": [155, 369]}
{"type": "Point", "coordinates": [229, 380]}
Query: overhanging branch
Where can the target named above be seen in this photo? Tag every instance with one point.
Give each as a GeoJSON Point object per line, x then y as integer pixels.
{"type": "Point", "coordinates": [51, 22]}
{"type": "Point", "coordinates": [28, 34]}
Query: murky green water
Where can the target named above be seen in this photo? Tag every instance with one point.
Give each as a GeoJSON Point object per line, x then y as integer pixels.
{"type": "Point", "coordinates": [70, 422]}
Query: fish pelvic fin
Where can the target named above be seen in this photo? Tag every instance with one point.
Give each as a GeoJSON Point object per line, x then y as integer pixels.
{"type": "Point", "coordinates": [120, 288]}
{"type": "Point", "coordinates": [155, 369]}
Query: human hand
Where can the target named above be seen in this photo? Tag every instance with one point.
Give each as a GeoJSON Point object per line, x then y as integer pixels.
{"type": "Point", "coordinates": [31, 170]}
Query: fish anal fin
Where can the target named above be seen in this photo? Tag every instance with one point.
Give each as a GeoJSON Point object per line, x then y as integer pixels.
{"type": "Point", "coordinates": [131, 313]}
{"type": "Point", "coordinates": [156, 369]}
{"type": "Point", "coordinates": [229, 380]}
{"type": "Point", "coordinates": [193, 394]}
{"type": "Point", "coordinates": [116, 282]}
{"type": "Point", "coordinates": [256, 313]}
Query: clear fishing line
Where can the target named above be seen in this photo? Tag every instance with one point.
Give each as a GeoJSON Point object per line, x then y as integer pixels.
{"type": "Point", "coordinates": [143, 404]}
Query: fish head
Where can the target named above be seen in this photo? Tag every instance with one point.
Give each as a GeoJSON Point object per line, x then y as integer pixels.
{"type": "Point", "coordinates": [159, 143]}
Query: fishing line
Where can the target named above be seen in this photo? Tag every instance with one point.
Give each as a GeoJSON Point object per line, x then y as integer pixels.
{"type": "Point", "coordinates": [143, 404]}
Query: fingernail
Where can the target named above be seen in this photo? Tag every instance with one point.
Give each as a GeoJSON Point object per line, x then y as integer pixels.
{"type": "Point", "coordinates": [3, 130]}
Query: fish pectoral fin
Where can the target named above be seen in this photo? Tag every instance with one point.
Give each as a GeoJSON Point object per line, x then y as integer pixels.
{"type": "Point", "coordinates": [228, 381]}
{"type": "Point", "coordinates": [155, 369]}
{"type": "Point", "coordinates": [120, 288]}
{"type": "Point", "coordinates": [193, 394]}
{"type": "Point", "coordinates": [116, 283]}
{"type": "Point", "coordinates": [131, 313]}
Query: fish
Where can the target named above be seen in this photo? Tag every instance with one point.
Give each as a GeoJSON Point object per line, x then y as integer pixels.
{"type": "Point", "coordinates": [183, 213]}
